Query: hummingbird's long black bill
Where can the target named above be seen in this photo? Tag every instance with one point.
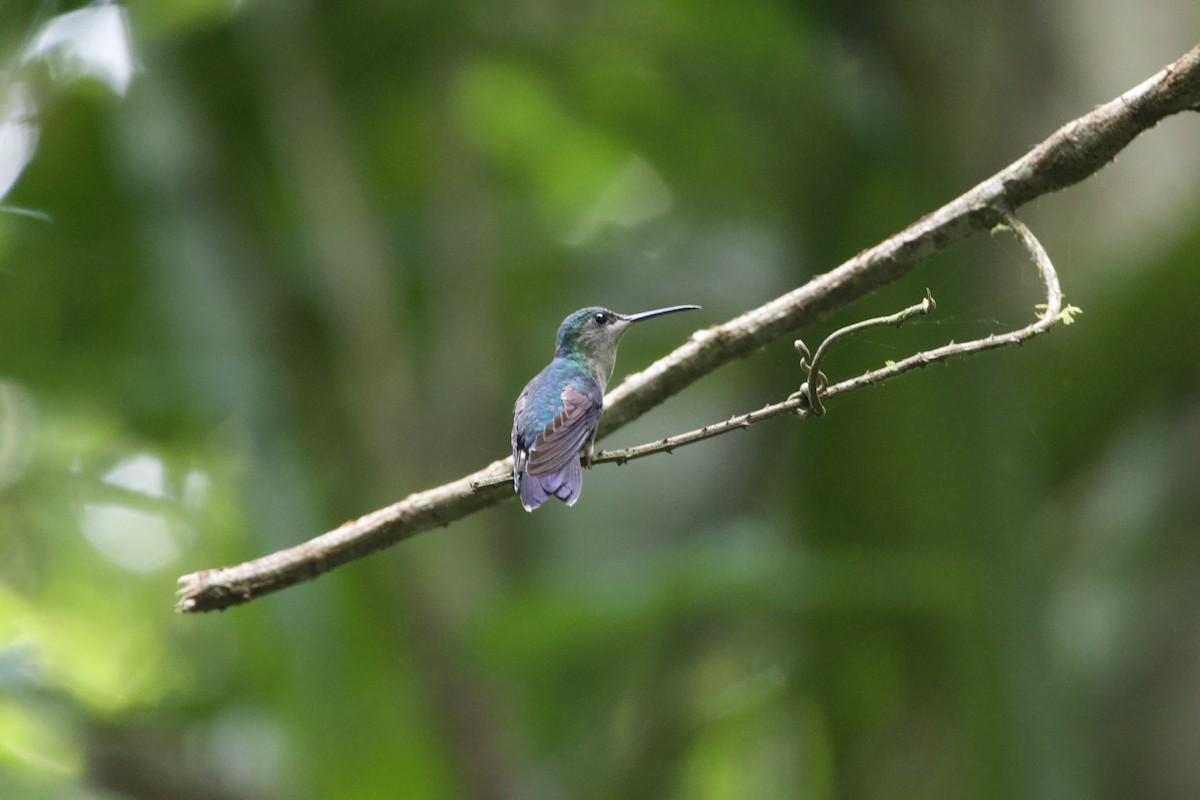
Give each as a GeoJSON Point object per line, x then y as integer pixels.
{"type": "Point", "coordinates": [658, 311]}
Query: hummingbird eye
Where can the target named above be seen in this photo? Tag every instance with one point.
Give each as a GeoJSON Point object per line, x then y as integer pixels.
{"type": "Point", "coordinates": [602, 318]}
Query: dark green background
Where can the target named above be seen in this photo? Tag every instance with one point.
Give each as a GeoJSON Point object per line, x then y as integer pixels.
{"type": "Point", "coordinates": [304, 266]}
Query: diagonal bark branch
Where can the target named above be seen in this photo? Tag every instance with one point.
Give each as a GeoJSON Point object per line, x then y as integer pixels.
{"type": "Point", "coordinates": [803, 403]}
{"type": "Point", "coordinates": [1071, 154]}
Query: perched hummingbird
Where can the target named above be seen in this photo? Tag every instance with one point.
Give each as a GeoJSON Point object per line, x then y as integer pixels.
{"type": "Point", "coordinates": [556, 415]}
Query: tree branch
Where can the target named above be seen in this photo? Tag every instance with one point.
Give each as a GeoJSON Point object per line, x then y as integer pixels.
{"type": "Point", "coordinates": [1072, 153]}
{"type": "Point", "coordinates": [814, 387]}
{"type": "Point", "coordinates": [809, 401]}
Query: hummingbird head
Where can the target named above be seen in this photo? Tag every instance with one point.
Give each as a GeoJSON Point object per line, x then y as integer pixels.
{"type": "Point", "coordinates": [592, 335]}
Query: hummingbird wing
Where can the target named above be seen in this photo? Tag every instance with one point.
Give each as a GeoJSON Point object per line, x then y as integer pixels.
{"type": "Point", "coordinates": [549, 430]}
{"type": "Point", "coordinates": [559, 442]}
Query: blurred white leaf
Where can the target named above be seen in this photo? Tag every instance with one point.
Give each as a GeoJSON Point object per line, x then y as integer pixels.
{"type": "Point", "coordinates": [92, 41]}
{"type": "Point", "coordinates": [18, 136]}
{"type": "Point", "coordinates": [636, 195]}
{"type": "Point", "coordinates": [139, 473]}
{"type": "Point", "coordinates": [137, 540]}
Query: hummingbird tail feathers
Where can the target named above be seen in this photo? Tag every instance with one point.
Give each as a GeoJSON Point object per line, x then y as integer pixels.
{"type": "Point", "coordinates": [565, 484]}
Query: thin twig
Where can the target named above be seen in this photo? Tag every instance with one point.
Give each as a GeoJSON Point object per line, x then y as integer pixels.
{"type": "Point", "coordinates": [1052, 314]}
{"type": "Point", "coordinates": [812, 388]}
{"type": "Point", "coordinates": [803, 404]}
{"type": "Point", "coordinates": [1069, 155]}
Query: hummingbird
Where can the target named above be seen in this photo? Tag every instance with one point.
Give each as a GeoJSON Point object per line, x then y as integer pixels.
{"type": "Point", "coordinates": [556, 414]}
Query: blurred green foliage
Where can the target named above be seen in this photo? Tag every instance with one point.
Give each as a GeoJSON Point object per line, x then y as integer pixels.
{"type": "Point", "coordinates": [300, 261]}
